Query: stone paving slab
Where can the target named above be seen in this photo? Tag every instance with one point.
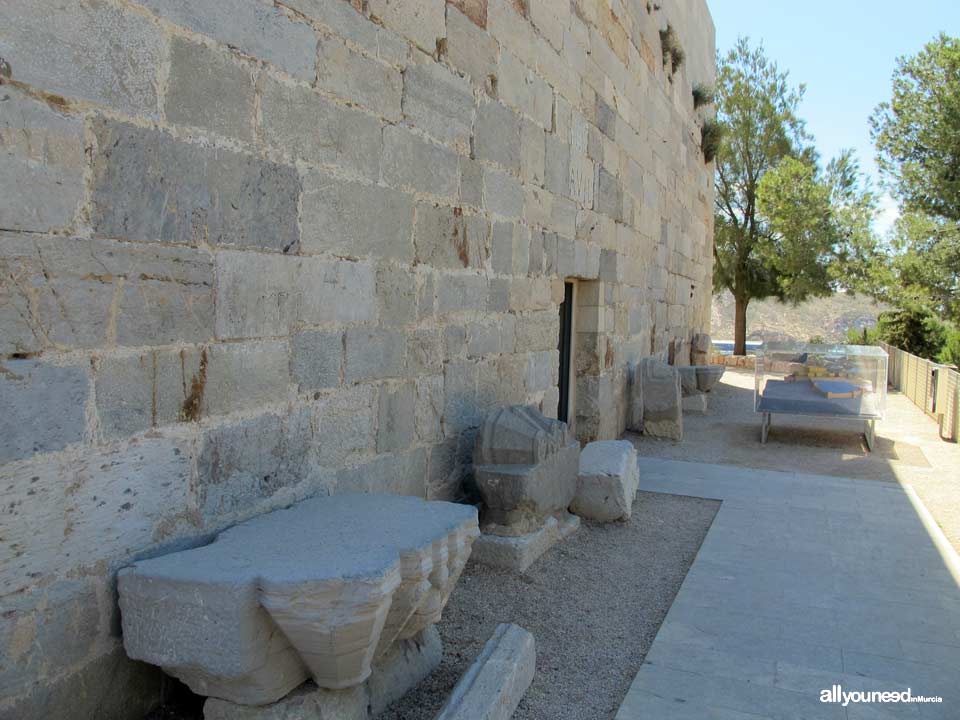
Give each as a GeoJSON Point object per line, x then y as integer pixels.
{"type": "Point", "coordinates": [803, 582]}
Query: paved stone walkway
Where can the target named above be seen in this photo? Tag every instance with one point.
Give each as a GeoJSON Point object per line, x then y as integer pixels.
{"type": "Point", "coordinates": [803, 582]}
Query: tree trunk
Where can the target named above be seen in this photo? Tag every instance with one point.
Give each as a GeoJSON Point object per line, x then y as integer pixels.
{"type": "Point", "coordinates": [740, 326]}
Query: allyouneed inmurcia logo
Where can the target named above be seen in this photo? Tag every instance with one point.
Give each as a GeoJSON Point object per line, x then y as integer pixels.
{"type": "Point", "coordinates": [836, 694]}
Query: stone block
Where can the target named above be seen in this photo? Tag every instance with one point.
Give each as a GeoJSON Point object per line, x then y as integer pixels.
{"type": "Point", "coordinates": [428, 416]}
{"type": "Point", "coordinates": [44, 407]}
{"type": "Point", "coordinates": [635, 398]}
{"type": "Point", "coordinates": [240, 376]}
{"type": "Point", "coordinates": [532, 153]}
{"type": "Point", "coordinates": [345, 422]}
{"type": "Point", "coordinates": [496, 135]}
{"type": "Point", "coordinates": [209, 89]}
{"type": "Point", "coordinates": [425, 352]}
{"type": "Point", "coordinates": [542, 370]}
{"type": "Point", "coordinates": [75, 514]}
{"type": "Point", "coordinates": [357, 79]}
{"type": "Point", "coordinates": [43, 163]}
{"type": "Point", "coordinates": [256, 29]}
{"type": "Point", "coordinates": [694, 404]}
{"type": "Point", "coordinates": [269, 295]}
{"type": "Point", "coordinates": [353, 219]}
{"type": "Point", "coordinates": [299, 122]}
{"type": "Point", "coordinates": [471, 182]}
{"type": "Point", "coordinates": [440, 103]}
{"type": "Point", "coordinates": [608, 200]}
{"type": "Point", "coordinates": [342, 578]}
{"type": "Point", "coordinates": [469, 49]}
{"type": "Point", "coordinates": [521, 88]}
{"type": "Point", "coordinates": [397, 407]}
{"type": "Point", "coordinates": [662, 411]}
{"type": "Point", "coordinates": [374, 354]}
{"type": "Point", "coordinates": [102, 52]}
{"type": "Point", "coordinates": [149, 186]}
{"type": "Point", "coordinates": [557, 165]}
{"type": "Point", "coordinates": [461, 409]}
{"type": "Point", "coordinates": [582, 179]}
{"type": "Point", "coordinates": [608, 481]}
{"type": "Point", "coordinates": [343, 19]}
{"type": "Point", "coordinates": [502, 193]}
{"type": "Point", "coordinates": [422, 21]}
{"type": "Point", "coordinates": [404, 666]}
{"type": "Point", "coordinates": [316, 359]}
{"type": "Point", "coordinates": [461, 293]}
{"type": "Point", "coordinates": [396, 295]}
{"type": "Point", "coordinates": [494, 684]}
{"type": "Point", "coordinates": [445, 237]}
{"type": "Point", "coordinates": [482, 339]}
{"type": "Point", "coordinates": [410, 161]}
{"type": "Point", "coordinates": [518, 553]}
{"type": "Point", "coordinates": [69, 292]}
{"type": "Point", "coordinates": [398, 473]}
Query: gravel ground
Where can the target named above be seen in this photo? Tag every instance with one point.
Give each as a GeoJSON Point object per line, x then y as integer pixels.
{"type": "Point", "coordinates": [594, 604]}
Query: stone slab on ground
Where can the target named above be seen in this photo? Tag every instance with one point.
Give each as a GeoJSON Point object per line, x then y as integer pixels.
{"type": "Point", "coordinates": [496, 682]}
{"type": "Point", "coordinates": [694, 404]}
{"type": "Point", "coordinates": [608, 481]}
{"type": "Point", "coordinates": [803, 582]}
{"type": "Point", "coordinates": [317, 590]}
{"type": "Point", "coordinates": [405, 664]}
{"type": "Point", "coordinates": [520, 552]}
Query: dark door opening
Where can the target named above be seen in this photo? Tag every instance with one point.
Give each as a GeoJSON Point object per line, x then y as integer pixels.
{"type": "Point", "coordinates": [566, 348]}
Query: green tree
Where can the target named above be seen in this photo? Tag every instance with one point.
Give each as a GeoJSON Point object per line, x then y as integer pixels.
{"type": "Point", "coordinates": [913, 328]}
{"type": "Point", "coordinates": [917, 133]}
{"type": "Point", "coordinates": [782, 227]}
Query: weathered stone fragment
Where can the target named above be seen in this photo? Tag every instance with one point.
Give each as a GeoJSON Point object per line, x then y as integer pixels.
{"type": "Point", "coordinates": [103, 52]}
{"type": "Point", "coordinates": [495, 683]}
{"type": "Point", "coordinates": [608, 482]}
{"type": "Point", "coordinates": [208, 89]}
{"type": "Point", "coordinates": [43, 407]}
{"type": "Point", "coordinates": [662, 412]}
{"type": "Point", "coordinates": [42, 166]}
{"type": "Point", "coordinates": [317, 590]}
{"type": "Point", "coordinates": [148, 185]}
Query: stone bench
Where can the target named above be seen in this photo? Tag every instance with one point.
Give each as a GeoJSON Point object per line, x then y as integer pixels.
{"type": "Point", "coordinates": [608, 482]}
{"type": "Point", "coordinates": [315, 591]}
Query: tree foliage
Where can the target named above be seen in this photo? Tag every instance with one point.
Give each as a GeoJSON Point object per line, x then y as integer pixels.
{"type": "Point", "coordinates": [783, 227]}
{"type": "Point", "coordinates": [917, 133]}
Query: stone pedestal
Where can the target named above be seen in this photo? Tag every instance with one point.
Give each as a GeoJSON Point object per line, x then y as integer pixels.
{"type": "Point", "coordinates": [404, 665]}
{"type": "Point", "coordinates": [662, 413]}
{"type": "Point", "coordinates": [525, 466]}
{"type": "Point", "coordinates": [316, 591]}
{"type": "Point", "coordinates": [695, 404]}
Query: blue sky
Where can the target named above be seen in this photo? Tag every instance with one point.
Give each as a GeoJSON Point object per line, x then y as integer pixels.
{"type": "Point", "coordinates": [844, 51]}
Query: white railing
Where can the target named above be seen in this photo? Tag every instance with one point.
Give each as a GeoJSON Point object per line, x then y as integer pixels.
{"type": "Point", "coordinates": [932, 387]}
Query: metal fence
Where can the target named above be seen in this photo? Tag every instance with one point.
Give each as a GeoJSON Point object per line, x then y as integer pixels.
{"type": "Point", "coordinates": [932, 387]}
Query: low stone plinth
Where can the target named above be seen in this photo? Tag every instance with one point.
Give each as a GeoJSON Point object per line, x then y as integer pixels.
{"type": "Point", "coordinates": [315, 591]}
{"type": "Point", "coordinates": [525, 467]}
{"type": "Point", "coordinates": [495, 683]}
{"type": "Point", "coordinates": [695, 404]}
{"type": "Point", "coordinates": [608, 481]}
{"type": "Point", "coordinates": [662, 412]}
{"type": "Point", "coordinates": [696, 379]}
{"type": "Point", "coordinates": [403, 666]}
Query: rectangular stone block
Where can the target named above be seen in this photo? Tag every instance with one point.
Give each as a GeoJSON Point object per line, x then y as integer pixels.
{"type": "Point", "coordinates": [461, 293]}
{"type": "Point", "coordinates": [482, 339]}
{"type": "Point", "coordinates": [396, 295]}
{"type": "Point", "coordinates": [373, 354]}
{"type": "Point", "coordinates": [358, 79]}
{"type": "Point", "coordinates": [209, 89]}
{"type": "Point", "coordinates": [245, 376]}
{"type": "Point", "coordinates": [422, 21]}
{"type": "Point", "coordinates": [44, 407]}
{"type": "Point", "coordinates": [496, 135]}
{"type": "Point", "coordinates": [608, 195]}
{"type": "Point", "coordinates": [299, 122]}
{"type": "Point", "coordinates": [102, 52]}
{"type": "Point", "coordinates": [70, 513]}
{"type": "Point", "coordinates": [352, 219]}
{"type": "Point", "coordinates": [266, 295]}
{"type": "Point", "coordinates": [258, 29]}
{"type": "Point", "coordinates": [242, 465]}
{"type": "Point", "coordinates": [342, 18]}
{"type": "Point", "coordinates": [428, 414]}
{"type": "Point", "coordinates": [439, 102]}
{"type": "Point", "coordinates": [471, 182]}
{"type": "Point", "coordinates": [399, 473]}
{"type": "Point", "coordinates": [469, 48]}
{"type": "Point", "coordinates": [521, 88]}
{"type": "Point", "coordinates": [396, 408]}
{"type": "Point", "coordinates": [74, 292]}
{"type": "Point", "coordinates": [150, 186]}
{"type": "Point", "coordinates": [409, 161]}
{"type": "Point", "coordinates": [446, 238]}
{"type": "Point", "coordinates": [316, 359]}
{"type": "Point", "coordinates": [346, 426]}
{"type": "Point", "coordinates": [532, 153]}
{"type": "Point", "coordinates": [502, 193]}
{"type": "Point", "coordinates": [461, 406]}
{"type": "Point", "coordinates": [557, 165]}
{"type": "Point", "coordinates": [42, 163]}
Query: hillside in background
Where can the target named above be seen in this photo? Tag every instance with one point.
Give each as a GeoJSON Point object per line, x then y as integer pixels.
{"type": "Point", "coordinates": [828, 317]}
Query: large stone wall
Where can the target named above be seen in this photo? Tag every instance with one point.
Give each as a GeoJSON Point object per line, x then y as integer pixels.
{"type": "Point", "coordinates": [254, 251]}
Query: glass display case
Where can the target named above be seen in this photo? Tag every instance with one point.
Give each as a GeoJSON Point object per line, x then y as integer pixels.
{"type": "Point", "coordinates": [798, 378]}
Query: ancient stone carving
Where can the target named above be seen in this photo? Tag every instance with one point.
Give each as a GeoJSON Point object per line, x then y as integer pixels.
{"type": "Point", "coordinates": [526, 472]}
{"type": "Point", "coordinates": [695, 379]}
{"type": "Point", "coordinates": [608, 481]}
{"type": "Point", "coordinates": [662, 413]}
{"type": "Point", "coordinates": [317, 590]}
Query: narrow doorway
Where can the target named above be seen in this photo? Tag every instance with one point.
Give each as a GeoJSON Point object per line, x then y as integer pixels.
{"type": "Point", "coordinates": [566, 351]}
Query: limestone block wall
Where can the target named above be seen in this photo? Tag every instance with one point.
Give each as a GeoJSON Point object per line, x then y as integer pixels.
{"type": "Point", "coordinates": [256, 250]}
